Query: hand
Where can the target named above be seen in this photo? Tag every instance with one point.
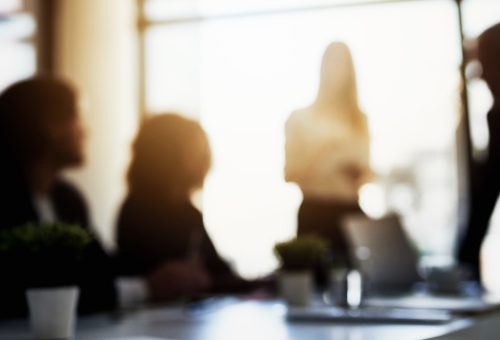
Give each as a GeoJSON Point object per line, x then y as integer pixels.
{"type": "Point", "coordinates": [176, 279]}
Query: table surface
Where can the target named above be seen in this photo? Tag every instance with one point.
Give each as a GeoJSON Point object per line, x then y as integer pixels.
{"type": "Point", "coordinates": [234, 318]}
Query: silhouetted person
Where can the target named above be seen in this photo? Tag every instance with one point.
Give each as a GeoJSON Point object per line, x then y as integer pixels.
{"type": "Point", "coordinates": [327, 151]}
{"type": "Point", "coordinates": [487, 180]}
{"type": "Point", "coordinates": [158, 223]}
{"type": "Point", "coordinates": [40, 136]}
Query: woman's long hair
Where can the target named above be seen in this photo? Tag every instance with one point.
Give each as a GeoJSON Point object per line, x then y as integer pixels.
{"type": "Point", "coordinates": [27, 108]}
{"type": "Point", "coordinates": [170, 155]}
{"type": "Point", "coordinates": [338, 88]}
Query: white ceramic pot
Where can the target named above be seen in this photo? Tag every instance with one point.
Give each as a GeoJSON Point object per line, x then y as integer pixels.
{"type": "Point", "coordinates": [296, 288]}
{"type": "Point", "coordinates": [53, 311]}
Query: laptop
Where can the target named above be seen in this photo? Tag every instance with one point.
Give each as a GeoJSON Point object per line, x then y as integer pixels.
{"type": "Point", "coordinates": [383, 252]}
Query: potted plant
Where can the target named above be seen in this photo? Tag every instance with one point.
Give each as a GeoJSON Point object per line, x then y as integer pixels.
{"type": "Point", "coordinates": [44, 259]}
{"type": "Point", "coordinates": [299, 258]}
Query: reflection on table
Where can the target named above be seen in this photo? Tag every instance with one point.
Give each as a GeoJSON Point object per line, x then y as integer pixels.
{"type": "Point", "coordinates": [230, 318]}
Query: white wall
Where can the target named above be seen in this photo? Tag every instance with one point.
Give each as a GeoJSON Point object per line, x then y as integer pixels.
{"type": "Point", "coordinates": [96, 49]}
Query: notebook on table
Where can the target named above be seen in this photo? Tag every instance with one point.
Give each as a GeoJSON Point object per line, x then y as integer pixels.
{"type": "Point", "coordinates": [368, 315]}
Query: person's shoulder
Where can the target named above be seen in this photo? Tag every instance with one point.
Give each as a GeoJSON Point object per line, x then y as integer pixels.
{"type": "Point", "coordinates": [157, 211]}
{"type": "Point", "coordinates": [297, 118]}
{"type": "Point", "coordinates": [494, 114]}
{"type": "Point", "coordinates": [298, 114]}
{"type": "Point", "coordinates": [363, 128]}
{"type": "Point", "coordinates": [70, 203]}
{"type": "Point", "coordinates": [133, 209]}
{"type": "Point", "coordinates": [130, 202]}
{"type": "Point", "coordinates": [188, 210]}
{"type": "Point", "coordinates": [129, 221]}
{"type": "Point", "coordinates": [65, 190]}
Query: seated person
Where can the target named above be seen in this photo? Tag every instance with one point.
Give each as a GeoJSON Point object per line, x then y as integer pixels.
{"type": "Point", "coordinates": [158, 223]}
{"type": "Point", "coordinates": [40, 136]}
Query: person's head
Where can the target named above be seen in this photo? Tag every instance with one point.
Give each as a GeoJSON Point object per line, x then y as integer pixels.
{"type": "Point", "coordinates": [489, 57]}
{"type": "Point", "coordinates": [337, 88]}
{"type": "Point", "coordinates": [171, 157]}
{"type": "Point", "coordinates": [337, 77]}
{"type": "Point", "coordinates": [39, 121]}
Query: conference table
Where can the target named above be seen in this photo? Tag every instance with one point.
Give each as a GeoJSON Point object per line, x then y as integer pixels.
{"type": "Point", "coordinates": [240, 318]}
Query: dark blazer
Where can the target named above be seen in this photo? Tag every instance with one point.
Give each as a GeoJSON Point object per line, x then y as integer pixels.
{"type": "Point", "coordinates": [484, 195]}
{"type": "Point", "coordinates": [151, 232]}
{"type": "Point", "coordinates": [69, 205]}
{"type": "Point", "coordinates": [96, 273]}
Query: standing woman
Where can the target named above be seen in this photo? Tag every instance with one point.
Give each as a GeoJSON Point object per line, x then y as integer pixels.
{"type": "Point", "coordinates": [327, 151]}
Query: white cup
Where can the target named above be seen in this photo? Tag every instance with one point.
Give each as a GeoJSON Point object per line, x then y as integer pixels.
{"type": "Point", "coordinates": [53, 311]}
{"type": "Point", "coordinates": [296, 288]}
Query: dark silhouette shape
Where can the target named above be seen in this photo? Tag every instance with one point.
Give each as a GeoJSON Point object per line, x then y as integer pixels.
{"type": "Point", "coordinates": [158, 223]}
{"type": "Point", "coordinates": [486, 184]}
{"type": "Point", "coordinates": [41, 135]}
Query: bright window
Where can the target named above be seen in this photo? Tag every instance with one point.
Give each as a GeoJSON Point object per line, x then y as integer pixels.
{"type": "Point", "coordinates": [17, 53]}
{"type": "Point", "coordinates": [243, 75]}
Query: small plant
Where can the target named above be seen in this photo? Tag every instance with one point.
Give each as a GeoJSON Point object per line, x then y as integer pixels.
{"type": "Point", "coordinates": [45, 239]}
{"type": "Point", "coordinates": [43, 254]}
{"type": "Point", "coordinates": [302, 252]}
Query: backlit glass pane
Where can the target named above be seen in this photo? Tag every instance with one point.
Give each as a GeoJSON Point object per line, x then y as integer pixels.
{"type": "Point", "coordinates": [245, 76]}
